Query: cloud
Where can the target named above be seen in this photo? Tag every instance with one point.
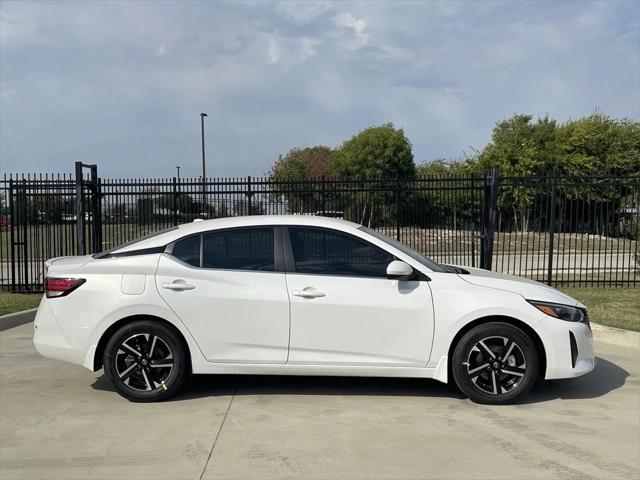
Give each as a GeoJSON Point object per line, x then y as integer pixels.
{"type": "Point", "coordinates": [358, 27]}
{"type": "Point", "coordinates": [122, 84]}
{"type": "Point", "coordinates": [309, 47]}
{"type": "Point", "coordinates": [302, 12]}
{"type": "Point", "coordinates": [273, 51]}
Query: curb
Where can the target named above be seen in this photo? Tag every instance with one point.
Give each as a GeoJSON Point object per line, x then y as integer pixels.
{"type": "Point", "coordinates": [15, 319]}
{"type": "Point", "coordinates": [616, 336]}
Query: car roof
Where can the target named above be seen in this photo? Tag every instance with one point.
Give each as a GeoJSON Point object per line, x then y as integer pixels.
{"type": "Point", "coordinates": [248, 220]}
{"type": "Point", "coordinates": [198, 226]}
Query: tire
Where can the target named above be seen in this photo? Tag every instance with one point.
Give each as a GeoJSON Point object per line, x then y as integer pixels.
{"type": "Point", "coordinates": [482, 374]}
{"type": "Point", "coordinates": [146, 361]}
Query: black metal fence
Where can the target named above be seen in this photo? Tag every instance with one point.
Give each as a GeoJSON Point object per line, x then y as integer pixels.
{"type": "Point", "coordinates": [562, 231]}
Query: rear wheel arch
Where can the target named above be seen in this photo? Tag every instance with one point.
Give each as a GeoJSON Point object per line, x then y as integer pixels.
{"type": "Point", "coordinates": [527, 329]}
{"type": "Point", "coordinates": [108, 333]}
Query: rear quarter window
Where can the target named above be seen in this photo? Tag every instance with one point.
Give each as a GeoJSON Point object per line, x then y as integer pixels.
{"type": "Point", "coordinates": [188, 250]}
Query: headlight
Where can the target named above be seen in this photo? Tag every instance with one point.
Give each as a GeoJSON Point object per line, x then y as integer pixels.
{"type": "Point", "coordinates": [563, 312]}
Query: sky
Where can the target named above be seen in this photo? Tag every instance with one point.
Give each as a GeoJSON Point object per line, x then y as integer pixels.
{"type": "Point", "coordinates": [122, 84]}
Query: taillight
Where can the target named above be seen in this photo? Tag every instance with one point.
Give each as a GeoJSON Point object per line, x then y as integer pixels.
{"type": "Point", "coordinates": [59, 287]}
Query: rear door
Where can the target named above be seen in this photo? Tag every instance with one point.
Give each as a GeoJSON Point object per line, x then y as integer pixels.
{"type": "Point", "coordinates": [228, 287]}
{"type": "Point", "coordinates": [344, 311]}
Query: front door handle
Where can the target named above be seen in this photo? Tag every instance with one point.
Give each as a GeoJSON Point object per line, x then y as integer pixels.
{"type": "Point", "coordinates": [179, 286]}
{"type": "Point", "coordinates": [309, 292]}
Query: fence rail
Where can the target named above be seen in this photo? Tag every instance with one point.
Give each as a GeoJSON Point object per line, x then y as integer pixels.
{"type": "Point", "coordinates": [559, 230]}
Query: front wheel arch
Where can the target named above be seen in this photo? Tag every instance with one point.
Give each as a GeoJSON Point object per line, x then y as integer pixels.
{"type": "Point", "coordinates": [531, 333]}
{"type": "Point", "coordinates": [108, 333]}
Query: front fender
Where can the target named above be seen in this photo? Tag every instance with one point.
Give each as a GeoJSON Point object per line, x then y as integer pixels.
{"type": "Point", "coordinates": [454, 312]}
{"type": "Point", "coordinates": [445, 338]}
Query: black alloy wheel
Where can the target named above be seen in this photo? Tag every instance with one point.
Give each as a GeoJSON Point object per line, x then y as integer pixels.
{"type": "Point", "coordinates": [146, 361]}
{"type": "Point", "coordinates": [495, 363]}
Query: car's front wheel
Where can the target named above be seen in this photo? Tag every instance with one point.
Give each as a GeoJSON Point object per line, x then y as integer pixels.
{"type": "Point", "coordinates": [146, 361]}
{"type": "Point", "coordinates": [495, 363]}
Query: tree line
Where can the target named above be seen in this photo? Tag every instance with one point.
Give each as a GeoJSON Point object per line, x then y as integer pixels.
{"type": "Point", "coordinates": [602, 151]}
{"type": "Point", "coordinates": [596, 145]}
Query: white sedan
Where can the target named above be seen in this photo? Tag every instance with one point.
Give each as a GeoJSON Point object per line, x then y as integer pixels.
{"type": "Point", "coordinates": [299, 295]}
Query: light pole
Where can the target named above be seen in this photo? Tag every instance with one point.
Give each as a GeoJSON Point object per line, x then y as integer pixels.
{"type": "Point", "coordinates": [204, 168]}
{"type": "Point", "coordinates": [178, 169]}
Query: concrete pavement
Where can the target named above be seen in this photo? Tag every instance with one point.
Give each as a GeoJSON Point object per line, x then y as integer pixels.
{"type": "Point", "coordinates": [60, 421]}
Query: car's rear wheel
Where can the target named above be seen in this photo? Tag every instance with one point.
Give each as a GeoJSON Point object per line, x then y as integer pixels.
{"type": "Point", "coordinates": [495, 363]}
{"type": "Point", "coordinates": [146, 361]}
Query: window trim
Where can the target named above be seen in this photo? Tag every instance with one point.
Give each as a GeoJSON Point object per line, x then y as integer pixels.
{"type": "Point", "coordinates": [290, 264]}
{"type": "Point", "coordinates": [130, 253]}
{"type": "Point", "coordinates": [278, 256]}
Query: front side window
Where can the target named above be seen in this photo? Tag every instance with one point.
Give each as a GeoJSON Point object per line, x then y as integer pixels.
{"type": "Point", "coordinates": [330, 252]}
{"type": "Point", "coordinates": [239, 249]}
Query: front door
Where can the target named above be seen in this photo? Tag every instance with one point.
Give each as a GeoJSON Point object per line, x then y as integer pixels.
{"type": "Point", "coordinates": [344, 311]}
{"type": "Point", "coordinates": [225, 288]}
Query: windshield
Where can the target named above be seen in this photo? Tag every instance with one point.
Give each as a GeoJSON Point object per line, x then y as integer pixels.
{"type": "Point", "coordinates": [418, 257]}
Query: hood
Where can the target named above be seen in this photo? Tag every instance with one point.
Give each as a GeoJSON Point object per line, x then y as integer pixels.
{"type": "Point", "coordinates": [529, 289]}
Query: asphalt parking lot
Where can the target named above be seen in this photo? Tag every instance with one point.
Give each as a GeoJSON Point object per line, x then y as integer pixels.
{"type": "Point", "coordinates": [60, 421]}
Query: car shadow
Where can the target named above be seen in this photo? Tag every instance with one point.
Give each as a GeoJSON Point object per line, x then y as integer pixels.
{"type": "Point", "coordinates": [606, 377]}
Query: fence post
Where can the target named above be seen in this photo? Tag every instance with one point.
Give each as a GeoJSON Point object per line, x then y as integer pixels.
{"type": "Point", "coordinates": [12, 220]}
{"type": "Point", "coordinates": [323, 201]}
{"type": "Point", "coordinates": [174, 202]}
{"type": "Point", "coordinates": [489, 214]}
{"type": "Point", "coordinates": [249, 195]}
{"type": "Point", "coordinates": [397, 208]}
{"type": "Point", "coordinates": [79, 211]}
{"type": "Point", "coordinates": [25, 232]}
{"type": "Point", "coordinates": [96, 213]}
{"type": "Point", "coordinates": [552, 224]}
{"type": "Point", "coordinates": [475, 220]}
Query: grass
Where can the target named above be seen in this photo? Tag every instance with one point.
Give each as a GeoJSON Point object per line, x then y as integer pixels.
{"type": "Point", "coordinates": [14, 302]}
{"type": "Point", "coordinates": [614, 307]}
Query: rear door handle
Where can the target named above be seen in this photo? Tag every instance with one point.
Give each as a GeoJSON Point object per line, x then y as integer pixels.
{"type": "Point", "coordinates": [179, 286]}
{"type": "Point", "coordinates": [309, 292]}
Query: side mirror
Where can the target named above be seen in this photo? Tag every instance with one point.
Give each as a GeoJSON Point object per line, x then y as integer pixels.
{"type": "Point", "coordinates": [398, 270]}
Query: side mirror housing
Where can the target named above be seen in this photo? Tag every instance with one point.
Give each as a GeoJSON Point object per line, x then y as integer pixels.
{"type": "Point", "coordinates": [398, 270]}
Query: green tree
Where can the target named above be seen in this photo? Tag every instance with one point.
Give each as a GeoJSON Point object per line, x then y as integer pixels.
{"type": "Point", "coordinates": [520, 147]}
{"type": "Point", "coordinates": [311, 163]}
{"type": "Point", "coordinates": [183, 202]}
{"type": "Point", "coordinates": [598, 145]}
{"type": "Point", "coordinates": [376, 153]}
{"type": "Point", "coordinates": [299, 163]}
{"type": "Point", "coordinates": [382, 152]}
{"type": "Point", "coordinates": [451, 207]}
{"type": "Point", "coordinates": [443, 167]}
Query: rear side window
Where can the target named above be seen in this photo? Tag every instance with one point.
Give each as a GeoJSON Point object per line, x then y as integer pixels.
{"type": "Point", "coordinates": [239, 249]}
{"type": "Point", "coordinates": [188, 250]}
{"type": "Point", "coordinates": [330, 252]}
